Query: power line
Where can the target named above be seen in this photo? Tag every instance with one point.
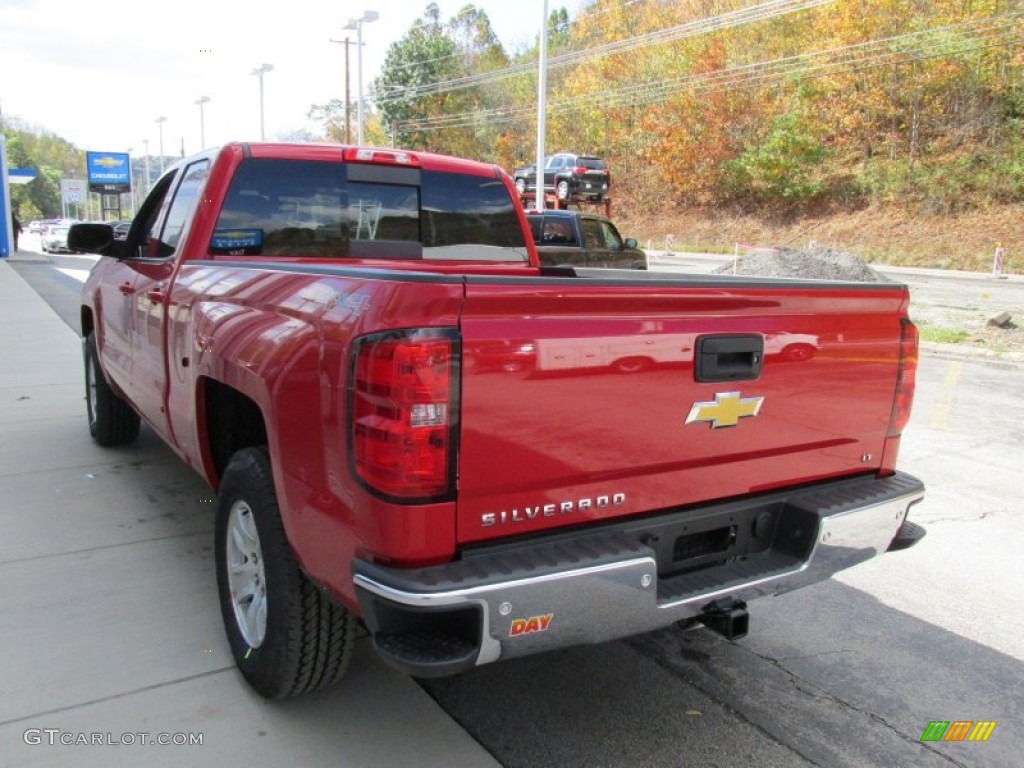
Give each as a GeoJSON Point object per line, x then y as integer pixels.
{"type": "Point", "coordinates": [996, 31]}
{"type": "Point", "coordinates": [739, 17]}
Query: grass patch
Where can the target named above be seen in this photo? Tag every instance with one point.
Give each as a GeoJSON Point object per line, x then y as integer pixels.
{"type": "Point", "coordinates": [943, 335]}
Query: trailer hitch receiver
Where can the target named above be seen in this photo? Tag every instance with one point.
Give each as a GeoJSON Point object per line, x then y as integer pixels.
{"type": "Point", "coordinates": [727, 617]}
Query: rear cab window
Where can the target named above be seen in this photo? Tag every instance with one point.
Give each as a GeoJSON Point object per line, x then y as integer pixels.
{"type": "Point", "coordinates": [281, 207]}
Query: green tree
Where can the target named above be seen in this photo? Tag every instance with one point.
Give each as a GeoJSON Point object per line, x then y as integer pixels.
{"type": "Point", "coordinates": [783, 164]}
{"type": "Point", "coordinates": [424, 57]}
{"type": "Point", "coordinates": [51, 157]}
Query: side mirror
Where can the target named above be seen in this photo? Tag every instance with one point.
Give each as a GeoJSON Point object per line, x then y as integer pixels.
{"type": "Point", "coordinates": [95, 238]}
{"type": "Point", "coordinates": [630, 242]}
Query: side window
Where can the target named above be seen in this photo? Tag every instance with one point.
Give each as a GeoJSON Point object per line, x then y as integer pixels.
{"type": "Point", "coordinates": [147, 221]}
{"type": "Point", "coordinates": [558, 231]}
{"type": "Point", "coordinates": [593, 233]}
{"type": "Point", "coordinates": [191, 186]}
{"type": "Point", "coordinates": [536, 223]}
{"type": "Point", "coordinates": [611, 236]}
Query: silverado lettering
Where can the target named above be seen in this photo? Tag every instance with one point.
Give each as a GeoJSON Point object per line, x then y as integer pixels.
{"type": "Point", "coordinates": [361, 353]}
{"type": "Point", "coordinates": [550, 510]}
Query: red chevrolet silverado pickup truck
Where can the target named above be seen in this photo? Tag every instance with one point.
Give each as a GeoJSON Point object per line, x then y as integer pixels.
{"type": "Point", "coordinates": [315, 330]}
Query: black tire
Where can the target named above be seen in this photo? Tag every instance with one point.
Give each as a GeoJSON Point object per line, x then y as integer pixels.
{"type": "Point", "coordinates": [562, 190]}
{"type": "Point", "coordinates": [111, 420]}
{"type": "Point", "coordinates": [307, 639]}
{"type": "Point", "coordinates": [521, 186]}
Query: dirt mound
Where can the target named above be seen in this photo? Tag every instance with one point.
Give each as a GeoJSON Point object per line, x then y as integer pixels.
{"type": "Point", "coordinates": [808, 264]}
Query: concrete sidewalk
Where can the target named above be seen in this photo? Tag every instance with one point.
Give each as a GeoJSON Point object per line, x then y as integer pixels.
{"type": "Point", "coordinates": [110, 628]}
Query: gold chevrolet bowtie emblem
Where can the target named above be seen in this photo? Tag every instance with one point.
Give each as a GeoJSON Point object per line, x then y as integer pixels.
{"type": "Point", "coordinates": [726, 410]}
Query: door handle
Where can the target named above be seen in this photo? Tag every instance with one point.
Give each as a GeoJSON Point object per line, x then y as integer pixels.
{"type": "Point", "coordinates": [156, 296]}
{"type": "Point", "coordinates": [126, 289]}
{"type": "Point", "coordinates": [729, 358]}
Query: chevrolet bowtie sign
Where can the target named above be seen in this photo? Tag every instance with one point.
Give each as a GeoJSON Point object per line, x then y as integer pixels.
{"type": "Point", "coordinates": [108, 171]}
{"type": "Point", "coordinates": [726, 410]}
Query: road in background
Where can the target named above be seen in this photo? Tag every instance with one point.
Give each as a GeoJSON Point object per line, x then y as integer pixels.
{"type": "Point", "coordinates": [845, 673]}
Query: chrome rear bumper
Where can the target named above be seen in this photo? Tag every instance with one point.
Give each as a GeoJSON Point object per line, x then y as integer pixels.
{"type": "Point", "coordinates": [591, 588]}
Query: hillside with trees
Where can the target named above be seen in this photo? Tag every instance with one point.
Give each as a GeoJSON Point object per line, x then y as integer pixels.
{"type": "Point", "coordinates": [773, 112]}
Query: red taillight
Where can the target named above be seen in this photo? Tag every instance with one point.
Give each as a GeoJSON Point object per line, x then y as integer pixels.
{"type": "Point", "coordinates": [906, 378]}
{"type": "Point", "coordinates": [403, 399]}
{"type": "Point", "coordinates": [579, 170]}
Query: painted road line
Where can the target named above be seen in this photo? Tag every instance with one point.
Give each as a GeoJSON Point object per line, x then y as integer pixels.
{"type": "Point", "coordinates": [944, 403]}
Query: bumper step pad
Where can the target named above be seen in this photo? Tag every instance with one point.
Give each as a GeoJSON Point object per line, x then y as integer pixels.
{"type": "Point", "coordinates": [907, 536]}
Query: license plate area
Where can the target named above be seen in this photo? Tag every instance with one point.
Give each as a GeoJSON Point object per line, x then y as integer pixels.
{"type": "Point", "coordinates": [693, 545]}
{"type": "Point", "coordinates": [692, 541]}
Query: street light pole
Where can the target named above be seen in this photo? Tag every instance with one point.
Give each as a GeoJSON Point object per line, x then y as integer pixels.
{"type": "Point", "coordinates": [202, 124]}
{"type": "Point", "coordinates": [542, 97]}
{"type": "Point", "coordinates": [131, 187]}
{"type": "Point", "coordinates": [260, 71]}
{"type": "Point", "coordinates": [160, 124]}
{"type": "Point", "coordinates": [357, 25]}
{"type": "Point", "coordinates": [145, 144]}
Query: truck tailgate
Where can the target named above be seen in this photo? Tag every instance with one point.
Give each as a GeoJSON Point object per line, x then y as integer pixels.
{"type": "Point", "coordinates": [580, 398]}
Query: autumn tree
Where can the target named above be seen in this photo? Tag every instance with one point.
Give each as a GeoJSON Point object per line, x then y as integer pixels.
{"type": "Point", "coordinates": [697, 102]}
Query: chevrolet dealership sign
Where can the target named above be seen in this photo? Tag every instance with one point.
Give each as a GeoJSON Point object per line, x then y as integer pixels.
{"type": "Point", "coordinates": [109, 171]}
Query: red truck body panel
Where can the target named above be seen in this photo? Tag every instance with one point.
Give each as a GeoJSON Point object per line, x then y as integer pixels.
{"type": "Point", "coordinates": [584, 431]}
{"type": "Point", "coordinates": [283, 339]}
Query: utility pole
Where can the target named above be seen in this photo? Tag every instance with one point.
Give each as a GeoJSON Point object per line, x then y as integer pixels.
{"type": "Point", "coordinates": [348, 99]}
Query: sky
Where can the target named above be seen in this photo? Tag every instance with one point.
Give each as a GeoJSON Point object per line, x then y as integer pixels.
{"type": "Point", "coordinates": [100, 73]}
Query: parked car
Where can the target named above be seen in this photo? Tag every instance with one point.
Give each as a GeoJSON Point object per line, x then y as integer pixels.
{"type": "Point", "coordinates": [575, 239]}
{"type": "Point", "coordinates": [55, 238]}
{"type": "Point", "coordinates": [120, 228]}
{"type": "Point", "coordinates": [568, 176]}
{"type": "Point", "coordinates": [41, 225]}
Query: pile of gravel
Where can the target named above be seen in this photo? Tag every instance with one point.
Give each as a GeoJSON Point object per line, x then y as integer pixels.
{"type": "Point", "coordinates": [809, 264]}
